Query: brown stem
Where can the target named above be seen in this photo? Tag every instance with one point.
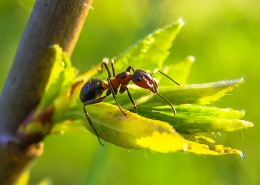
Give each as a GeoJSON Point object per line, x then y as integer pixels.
{"type": "Point", "coordinates": [51, 22]}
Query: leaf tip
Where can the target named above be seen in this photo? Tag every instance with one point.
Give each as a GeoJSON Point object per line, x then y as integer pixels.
{"type": "Point", "coordinates": [247, 124]}
{"type": "Point", "coordinates": [238, 81]}
{"type": "Point", "coordinates": [163, 142]}
{"type": "Point", "coordinates": [233, 151]}
{"type": "Point", "coordinates": [242, 80]}
{"type": "Point", "coordinates": [56, 48]}
{"type": "Point", "coordinates": [191, 59]}
{"type": "Point", "coordinates": [181, 22]}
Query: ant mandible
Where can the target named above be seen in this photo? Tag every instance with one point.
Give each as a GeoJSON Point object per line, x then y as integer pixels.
{"type": "Point", "coordinates": [91, 92]}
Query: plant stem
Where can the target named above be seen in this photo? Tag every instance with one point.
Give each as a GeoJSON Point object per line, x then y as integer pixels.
{"type": "Point", "coordinates": [51, 22]}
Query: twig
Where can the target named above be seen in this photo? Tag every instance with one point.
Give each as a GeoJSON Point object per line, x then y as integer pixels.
{"type": "Point", "coordinates": [51, 22]}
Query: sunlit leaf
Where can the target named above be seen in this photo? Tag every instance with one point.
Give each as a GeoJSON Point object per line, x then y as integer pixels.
{"type": "Point", "coordinates": [132, 131]}
{"type": "Point", "coordinates": [24, 178]}
{"type": "Point", "coordinates": [40, 121]}
{"type": "Point", "coordinates": [189, 94]}
{"type": "Point", "coordinates": [212, 149]}
{"type": "Point", "coordinates": [62, 76]}
{"type": "Point", "coordinates": [191, 118]}
{"type": "Point", "coordinates": [179, 71]}
{"type": "Point", "coordinates": [152, 51]}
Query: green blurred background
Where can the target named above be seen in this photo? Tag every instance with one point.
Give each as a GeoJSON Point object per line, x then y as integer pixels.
{"type": "Point", "coordinates": [224, 37]}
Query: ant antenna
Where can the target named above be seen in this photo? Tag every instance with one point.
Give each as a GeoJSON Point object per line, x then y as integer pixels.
{"type": "Point", "coordinates": [157, 70]}
{"type": "Point", "coordinates": [91, 124]}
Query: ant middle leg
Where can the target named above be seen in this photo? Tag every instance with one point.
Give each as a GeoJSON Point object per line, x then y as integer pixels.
{"type": "Point", "coordinates": [114, 95]}
{"type": "Point", "coordinates": [122, 90]}
{"type": "Point", "coordinates": [131, 99]}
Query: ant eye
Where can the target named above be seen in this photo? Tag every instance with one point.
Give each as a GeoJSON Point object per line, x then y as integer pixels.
{"type": "Point", "coordinates": [139, 79]}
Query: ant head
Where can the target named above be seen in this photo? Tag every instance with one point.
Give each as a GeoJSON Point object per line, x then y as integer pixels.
{"type": "Point", "coordinates": [144, 80]}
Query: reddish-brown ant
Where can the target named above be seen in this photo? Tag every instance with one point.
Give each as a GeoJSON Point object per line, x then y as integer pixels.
{"type": "Point", "coordinates": [92, 91]}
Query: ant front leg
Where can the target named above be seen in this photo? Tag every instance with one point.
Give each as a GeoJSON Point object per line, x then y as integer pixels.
{"type": "Point", "coordinates": [88, 117]}
{"type": "Point", "coordinates": [131, 99]}
{"type": "Point", "coordinates": [122, 90]}
{"type": "Point", "coordinates": [105, 64]}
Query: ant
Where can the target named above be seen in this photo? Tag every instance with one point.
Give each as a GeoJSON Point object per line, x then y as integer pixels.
{"type": "Point", "coordinates": [91, 92]}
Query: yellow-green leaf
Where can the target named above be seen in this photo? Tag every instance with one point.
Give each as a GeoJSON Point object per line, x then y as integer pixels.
{"type": "Point", "coordinates": [152, 51]}
{"type": "Point", "coordinates": [204, 93]}
{"type": "Point", "coordinates": [132, 131]}
{"type": "Point", "coordinates": [61, 77]}
{"type": "Point", "coordinates": [192, 118]}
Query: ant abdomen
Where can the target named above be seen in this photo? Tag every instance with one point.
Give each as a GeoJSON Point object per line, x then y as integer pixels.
{"type": "Point", "coordinates": [91, 90]}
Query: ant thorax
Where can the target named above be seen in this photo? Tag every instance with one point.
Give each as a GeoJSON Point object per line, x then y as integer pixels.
{"type": "Point", "coordinates": [121, 79]}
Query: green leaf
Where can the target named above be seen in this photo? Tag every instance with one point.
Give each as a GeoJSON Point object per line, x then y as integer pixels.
{"type": "Point", "coordinates": [200, 144]}
{"type": "Point", "coordinates": [147, 54]}
{"type": "Point", "coordinates": [24, 178]}
{"type": "Point", "coordinates": [151, 52]}
{"type": "Point", "coordinates": [53, 87]}
{"type": "Point", "coordinates": [131, 131]}
{"type": "Point", "coordinates": [205, 93]}
{"type": "Point", "coordinates": [179, 72]}
{"type": "Point", "coordinates": [135, 131]}
{"type": "Point", "coordinates": [62, 76]}
{"type": "Point", "coordinates": [40, 121]}
{"type": "Point", "coordinates": [192, 118]}
{"type": "Point", "coordinates": [210, 148]}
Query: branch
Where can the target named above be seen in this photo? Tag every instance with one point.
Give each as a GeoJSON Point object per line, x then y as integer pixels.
{"type": "Point", "coordinates": [51, 22]}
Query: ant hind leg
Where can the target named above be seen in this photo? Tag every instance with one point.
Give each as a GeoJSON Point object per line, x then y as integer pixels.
{"type": "Point", "coordinates": [114, 95]}
{"type": "Point", "coordinates": [131, 99]}
{"type": "Point", "coordinates": [88, 117]}
{"type": "Point", "coordinates": [92, 126]}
